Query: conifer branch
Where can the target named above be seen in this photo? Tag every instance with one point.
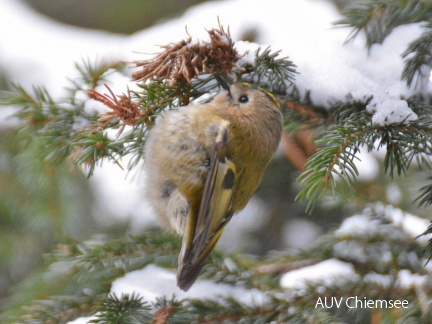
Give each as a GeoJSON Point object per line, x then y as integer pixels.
{"type": "Point", "coordinates": [425, 197]}
{"type": "Point", "coordinates": [333, 166]}
{"type": "Point", "coordinates": [270, 72]}
{"type": "Point", "coordinates": [418, 59]}
{"type": "Point", "coordinates": [384, 249]}
{"type": "Point", "coordinates": [59, 309]}
{"type": "Point", "coordinates": [124, 309]}
{"type": "Point", "coordinates": [179, 75]}
{"type": "Point", "coordinates": [378, 18]}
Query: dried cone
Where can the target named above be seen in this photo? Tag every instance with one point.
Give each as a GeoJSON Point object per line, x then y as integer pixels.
{"type": "Point", "coordinates": [122, 107]}
{"type": "Point", "coordinates": [185, 60]}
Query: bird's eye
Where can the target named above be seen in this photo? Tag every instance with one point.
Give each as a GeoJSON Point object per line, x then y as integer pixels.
{"type": "Point", "coordinates": [243, 99]}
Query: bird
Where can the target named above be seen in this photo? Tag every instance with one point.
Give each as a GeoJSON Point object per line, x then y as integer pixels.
{"type": "Point", "coordinates": [203, 164]}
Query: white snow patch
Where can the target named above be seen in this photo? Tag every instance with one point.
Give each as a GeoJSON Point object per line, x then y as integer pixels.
{"type": "Point", "coordinates": [358, 225]}
{"type": "Point", "coordinates": [82, 320]}
{"type": "Point", "coordinates": [301, 234]}
{"type": "Point", "coordinates": [247, 51]}
{"type": "Point", "coordinates": [121, 195]}
{"type": "Point", "coordinates": [377, 279]}
{"type": "Point", "coordinates": [153, 282]}
{"type": "Point", "coordinates": [394, 194]}
{"type": "Point", "coordinates": [366, 164]}
{"type": "Point", "coordinates": [367, 225]}
{"type": "Point", "coordinates": [48, 56]}
{"type": "Point", "coordinates": [410, 224]}
{"type": "Point", "coordinates": [330, 272]}
{"type": "Point", "coordinates": [408, 280]}
{"type": "Point", "coordinates": [387, 110]}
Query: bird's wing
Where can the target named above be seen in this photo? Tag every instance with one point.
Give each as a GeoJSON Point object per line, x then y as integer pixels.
{"type": "Point", "coordinates": [203, 232]}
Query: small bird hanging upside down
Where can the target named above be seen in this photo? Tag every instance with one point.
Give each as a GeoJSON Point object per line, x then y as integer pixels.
{"type": "Point", "coordinates": [204, 162]}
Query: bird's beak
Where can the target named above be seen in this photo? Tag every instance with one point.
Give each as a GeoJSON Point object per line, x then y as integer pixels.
{"type": "Point", "coordinates": [223, 83]}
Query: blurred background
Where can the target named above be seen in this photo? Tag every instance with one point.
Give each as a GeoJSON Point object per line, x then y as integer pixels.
{"type": "Point", "coordinates": [43, 206]}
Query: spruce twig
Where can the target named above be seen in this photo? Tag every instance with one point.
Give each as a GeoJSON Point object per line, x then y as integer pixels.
{"type": "Point", "coordinates": [333, 166]}
{"type": "Point", "coordinates": [418, 56]}
{"type": "Point", "coordinates": [376, 276]}
{"type": "Point", "coordinates": [377, 18]}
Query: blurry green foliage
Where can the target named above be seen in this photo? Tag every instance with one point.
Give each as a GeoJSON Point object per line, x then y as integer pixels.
{"type": "Point", "coordinates": [40, 205]}
{"type": "Point", "coordinates": [117, 16]}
